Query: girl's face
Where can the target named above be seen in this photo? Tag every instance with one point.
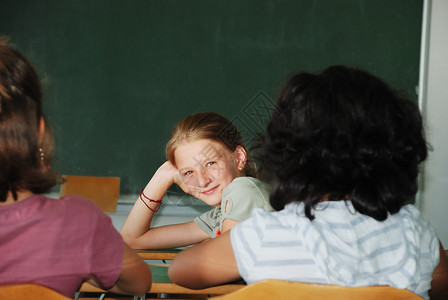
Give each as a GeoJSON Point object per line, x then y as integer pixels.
{"type": "Point", "coordinates": [207, 167]}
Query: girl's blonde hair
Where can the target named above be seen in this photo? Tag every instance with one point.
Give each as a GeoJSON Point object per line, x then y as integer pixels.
{"type": "Point", "coordinates": [212, 126]}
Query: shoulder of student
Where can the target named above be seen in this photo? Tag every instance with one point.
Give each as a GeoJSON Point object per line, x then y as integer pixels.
{"type": "Point", "coordinates": [249, 184]}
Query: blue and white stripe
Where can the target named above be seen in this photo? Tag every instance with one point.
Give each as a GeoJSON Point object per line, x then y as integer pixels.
{"type": "Point", "coordinates": [339, 246]}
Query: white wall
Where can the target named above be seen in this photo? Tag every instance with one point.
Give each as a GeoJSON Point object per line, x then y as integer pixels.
{"type": "Point", "coordinates": [434, 191]}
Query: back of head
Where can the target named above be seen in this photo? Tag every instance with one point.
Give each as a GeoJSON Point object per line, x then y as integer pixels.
{"type": "Point", "coordinates": [211, 126]}
{"type": "Point", "coordinates": [343, 133]}
{"type": "Point", "coordinates": [22, 165]}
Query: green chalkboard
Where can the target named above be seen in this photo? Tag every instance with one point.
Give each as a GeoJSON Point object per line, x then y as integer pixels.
{"type": "Point", "coordinates": [118, 75]}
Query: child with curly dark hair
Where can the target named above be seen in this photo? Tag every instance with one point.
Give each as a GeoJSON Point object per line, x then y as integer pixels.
{"type": "Point", "coordinates": [342, 154]}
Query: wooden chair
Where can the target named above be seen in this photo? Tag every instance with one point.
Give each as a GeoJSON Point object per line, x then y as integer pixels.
{"type": "Point", "coordinates": [278, 290]}
{"type": "Point", "coordinates": [28, 292]}
{"type": "Point", "coordinates": [104, 191]}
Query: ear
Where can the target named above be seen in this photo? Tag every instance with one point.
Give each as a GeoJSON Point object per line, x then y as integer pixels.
{"type": "Point", "coordinates": [41, 129]}
{"type": "Point", "coordinates": [241, 158]}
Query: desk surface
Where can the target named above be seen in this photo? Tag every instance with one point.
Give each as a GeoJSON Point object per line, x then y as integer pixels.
{"type": "Point", "coordinates": [160, 273]}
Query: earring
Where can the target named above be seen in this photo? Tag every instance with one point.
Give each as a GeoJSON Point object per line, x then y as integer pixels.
{"type": "Point", "coordinates": [41, 154]}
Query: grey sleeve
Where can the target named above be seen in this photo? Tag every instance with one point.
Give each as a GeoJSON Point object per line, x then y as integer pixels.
{"type": "Point", "coordinates": [209, 221]}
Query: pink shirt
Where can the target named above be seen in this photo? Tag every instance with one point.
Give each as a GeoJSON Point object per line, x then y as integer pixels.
{"type": "Point", "coordinates": [58, 243]}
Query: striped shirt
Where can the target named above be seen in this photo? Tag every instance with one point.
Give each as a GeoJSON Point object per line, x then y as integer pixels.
{"type": "Point", "coordinates": [340, 246]}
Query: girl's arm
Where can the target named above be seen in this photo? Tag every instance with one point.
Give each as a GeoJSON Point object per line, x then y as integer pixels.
{"type": "Point", "coordinates": [137, 231]}
{"type": "Point", "coordinates": [213, 263]}
{"type": "Point", "coordinates": [135, 277]}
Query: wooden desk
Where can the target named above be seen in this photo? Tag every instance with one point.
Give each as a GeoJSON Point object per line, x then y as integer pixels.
{"type": "Point", "coordinates": [162, 285]}
{"type": "Point", "coordinates": [162, 254]}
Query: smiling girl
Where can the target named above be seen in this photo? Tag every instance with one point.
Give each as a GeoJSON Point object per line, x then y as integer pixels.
{"type": "Point", "coordinates": [207, 159]}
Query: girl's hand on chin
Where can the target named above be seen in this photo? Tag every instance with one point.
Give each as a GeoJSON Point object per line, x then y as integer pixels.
{"type": "Point", "coordinates": [174, 176]}
{"type": "Point", "coordinates": [181, 183]}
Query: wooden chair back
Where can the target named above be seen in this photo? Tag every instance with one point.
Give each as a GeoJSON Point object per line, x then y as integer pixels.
{"type": "Point", "coordinates": [28, 292]}
{"type": "Point", "coordinates": [104, 191]}
{"type": "Point", "coordinates": [278, 289]}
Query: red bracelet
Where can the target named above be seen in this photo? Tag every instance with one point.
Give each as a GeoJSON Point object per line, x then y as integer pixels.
{"type": "Point", "coordinates": [150, 200]}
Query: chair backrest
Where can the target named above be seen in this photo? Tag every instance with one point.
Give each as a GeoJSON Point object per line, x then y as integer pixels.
{"type": "Point", "coordinates": [278, 289]}
{"type": "Point", "coordinates": [104, 191]}
{"type": "Point", "coordinates": [29, 291]}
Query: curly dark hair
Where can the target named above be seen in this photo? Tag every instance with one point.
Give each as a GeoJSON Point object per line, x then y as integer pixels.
{"type": "Point", "coordinates": [343, 134]}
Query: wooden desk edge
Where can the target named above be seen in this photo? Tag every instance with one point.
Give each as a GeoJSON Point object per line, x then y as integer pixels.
{"type": "Point", "coordinates": [157, 255]}
{"type": "Point", "coordinates": [177, 289]}
{"type": "Point", "coordinates": [172, 288]}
